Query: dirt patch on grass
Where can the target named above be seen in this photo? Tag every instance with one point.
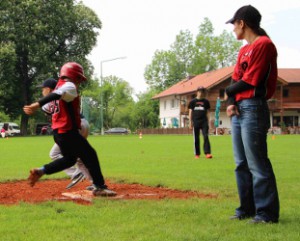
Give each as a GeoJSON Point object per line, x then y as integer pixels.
{"type": "Point", "coordinates": [47, 190]}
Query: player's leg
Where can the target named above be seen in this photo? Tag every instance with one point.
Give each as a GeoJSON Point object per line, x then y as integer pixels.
{"type": "Point", "coordinates": [55, 153]}
{"type": "Point", "coordinates": [76, 145]}
{"type": "Point", "coordinates": [81, 167]}
{"type": "Point", "coordinates": [206, 143]}
{"type": "Point", "coordinates": [255, 124]}
{"type": "Point", "coordinates": [242, 173]}
{"type": "Point", "coordinates": [196, 133]}
{"type": "Point", "coordinates": [59, 163]}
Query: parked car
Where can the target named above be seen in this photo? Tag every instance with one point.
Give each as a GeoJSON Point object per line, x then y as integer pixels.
{"type": "Point", "coordinates": [11, 129]}
{"type": "Point", "coordinates": [117, 130]}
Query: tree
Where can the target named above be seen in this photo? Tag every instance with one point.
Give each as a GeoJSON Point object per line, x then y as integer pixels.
{"type": "Point", "coordinates": [90, 103]}
{"type": "Point", "coordinates": [163, 72]}
{"type": "Point", "coordinates": [36, 38]}
{"type": "Point", "coordinates": [171, 66]}
{"type": "Point", "coordinates": [189, 57]}
{"type": "Point", "coordinates": [214, 52]}
{"type": "Point", "coordinates": [146, 111]}
{"type": "Point", "coordinates": [118, 104]}
{"type": "Point", "coordinates": [117, 95]}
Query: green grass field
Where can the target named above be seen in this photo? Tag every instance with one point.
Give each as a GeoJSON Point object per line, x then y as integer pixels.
{"type": "Point", "coordinates": [152, 160]}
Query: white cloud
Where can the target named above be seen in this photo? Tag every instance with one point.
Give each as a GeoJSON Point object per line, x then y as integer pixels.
{"type": "Point", "coordinates": [288, 57]}
{"type": "Point", "coordinates": [137, 28]}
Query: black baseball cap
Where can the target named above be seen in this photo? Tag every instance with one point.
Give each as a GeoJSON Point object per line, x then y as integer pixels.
{"type": "Point", "coordinates": [247, 13]}
{"type": "Point", "coordinates": [50, 83]}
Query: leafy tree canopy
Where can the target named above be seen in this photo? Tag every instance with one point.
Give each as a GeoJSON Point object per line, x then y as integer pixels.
{"type": "Point", "coordinates": [190, 56]}
{"type": "Point", "coordinates": [36, 39]}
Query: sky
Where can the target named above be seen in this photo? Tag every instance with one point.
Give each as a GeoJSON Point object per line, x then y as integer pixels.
{"type": "Point", "coordinates": [132, 30]}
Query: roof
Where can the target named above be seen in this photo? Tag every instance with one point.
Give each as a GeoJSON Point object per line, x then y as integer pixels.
{"type": "Point", "coordinates": [207, 80]}
{"type": "Point", "coordinates": [213, 78]}
{"type": "Point", "coordinates": [290, 75]}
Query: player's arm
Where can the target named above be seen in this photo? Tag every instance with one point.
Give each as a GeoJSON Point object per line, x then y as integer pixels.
{"type": "Point", "coordinates": [52, 96]}
{"type": "Point", "coordinates": [237, 87]}
{"type": "Point", "coordinates": [231, 91]}
{"type": "Point", "coordinates": [30, 109]}
{"type": "Point", "coordinates": [207, 111]}
{"type": "Point", "coordinates": [208, 115]}
{"type": "Point", "coordinates": [190, 119]}
{"type": "Point", "coordinates": [67, 92]}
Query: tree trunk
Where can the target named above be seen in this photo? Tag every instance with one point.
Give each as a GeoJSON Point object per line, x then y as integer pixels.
{"type": "Point", "coordinates": [26, 97]}
{"type": "Point", "coordinates": [24, 124]}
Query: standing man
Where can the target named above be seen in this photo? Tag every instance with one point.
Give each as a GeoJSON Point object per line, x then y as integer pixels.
{"type": "Point", "coordinates": [199, 119]}
{"type": "Point", "coordinates": [253, 83]}
{"type": "Point", "coordinates": [65, 124]}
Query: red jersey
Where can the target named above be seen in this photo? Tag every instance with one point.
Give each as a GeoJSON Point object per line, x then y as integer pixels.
{"type": "Point", "coordinates": [257, 66]}
{"type": "Point", "coordinates": [66, 113]}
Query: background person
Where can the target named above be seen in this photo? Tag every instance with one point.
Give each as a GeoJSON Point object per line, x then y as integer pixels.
{"type": "Point", "coordinates": [199, 120]}
{"type": "Point", "coordinates": [253, 83]}
{"type": "Point", "coordinates": [3, 132]}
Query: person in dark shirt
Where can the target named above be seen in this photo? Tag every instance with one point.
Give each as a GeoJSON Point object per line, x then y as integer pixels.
{"type": "Point", "coordinates": [199, 119]}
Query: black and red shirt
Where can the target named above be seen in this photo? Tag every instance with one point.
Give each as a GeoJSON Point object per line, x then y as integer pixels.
{"type": "Point", "coordinates": [199, 109]}
{"type": "Point", "coordinates": [66, 110]}
{"type": "Point", "coordinates": [257, 66]}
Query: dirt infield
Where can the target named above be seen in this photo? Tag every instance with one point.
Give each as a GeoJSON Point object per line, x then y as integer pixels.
{"type": "Point", "coordinates": [46, 190]}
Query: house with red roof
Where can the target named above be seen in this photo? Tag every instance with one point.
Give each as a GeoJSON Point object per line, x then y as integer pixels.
{"type": "Point", "coordinates": [284, 105]}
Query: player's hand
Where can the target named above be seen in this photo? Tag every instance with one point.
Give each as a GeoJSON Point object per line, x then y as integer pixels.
{"type": "Point", "coordinates": [232, 110]}
{"type": "Point", "coordinates": [225, 97]}
{"type": "Point", "coordinates": [30, 109]}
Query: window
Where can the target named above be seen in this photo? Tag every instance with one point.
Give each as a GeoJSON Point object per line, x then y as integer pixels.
{"type": "Point", "coordinates": [285, 93]}
{"type": "Point", "coordinates": [173, 104]}
{"type": "Point", "coordinates": [165, 105]}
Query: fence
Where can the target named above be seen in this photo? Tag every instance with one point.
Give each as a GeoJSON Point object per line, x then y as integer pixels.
{"type": "Point", "coordinates": [212, 131]}
{"type": "Point", "coordinates": [181, 131]}
{"type": "Point", "coordinates": [170, 131]}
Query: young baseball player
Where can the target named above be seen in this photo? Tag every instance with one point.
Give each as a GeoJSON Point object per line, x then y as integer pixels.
{"type": "Point", "coordinates": [65, 125]}
{"type": "Point", "coordinates": [79, 171]}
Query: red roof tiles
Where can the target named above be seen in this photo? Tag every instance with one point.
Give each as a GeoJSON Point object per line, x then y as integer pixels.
{"type": "Point", "coordinates": [212, 78]}
{"type": "Point", "coordinates": [290, 75]}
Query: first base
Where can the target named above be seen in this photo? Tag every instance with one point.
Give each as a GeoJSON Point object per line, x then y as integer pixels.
{"type": "Point", "coordinates": [81, 195]}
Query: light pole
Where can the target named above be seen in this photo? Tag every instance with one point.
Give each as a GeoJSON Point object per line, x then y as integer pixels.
{"type": "Point", "coordinates": [101, 84]}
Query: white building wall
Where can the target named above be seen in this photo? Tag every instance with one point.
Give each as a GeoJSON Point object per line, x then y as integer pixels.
{"type": "Point", "coordinates": [224, 120]}
{"type": "Point", "coordinates": [169, 108]}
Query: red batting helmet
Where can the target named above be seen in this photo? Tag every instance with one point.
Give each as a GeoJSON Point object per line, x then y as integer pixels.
{"type": "Point", "coordinates": [73, 71]}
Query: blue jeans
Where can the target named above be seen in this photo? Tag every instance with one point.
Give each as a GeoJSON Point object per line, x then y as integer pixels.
{"type": "Point", "coordinates": [254, 173]}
